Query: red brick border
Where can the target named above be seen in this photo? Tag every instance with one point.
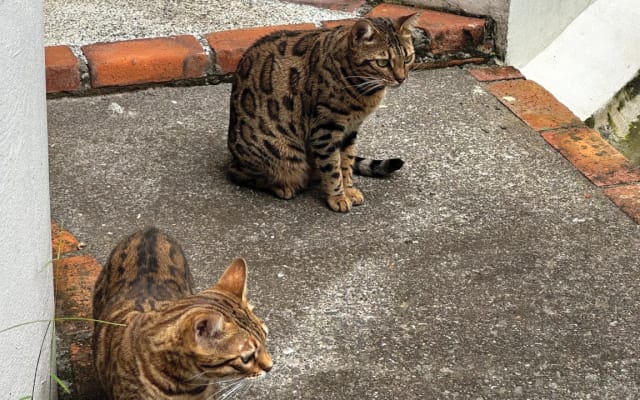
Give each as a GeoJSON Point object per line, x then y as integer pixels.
{"type": "Point", "coordinates": [454, 40]}
{"type": "Point", "coordinates": [533, 104]}
{"type": "Point", "coordinates": [145, 61]}
{"type": "Point", "coordinates": [627, 197]}
{"type": "Point", "coordinates": [447, 32]}
{"type": "Point", "coordinates": [493, 74]}
{"type": "Point", "coordinates": [62, 69]}
{"type": "Point", "coordinates": [74, 276]}
{"type": "Point", "coordinates": [583, 147]}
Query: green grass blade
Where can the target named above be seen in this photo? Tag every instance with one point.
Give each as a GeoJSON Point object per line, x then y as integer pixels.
{"type": "Point", "coordinates": [61, 319]}
{"type": "Point", "coordinates": [60, 383]}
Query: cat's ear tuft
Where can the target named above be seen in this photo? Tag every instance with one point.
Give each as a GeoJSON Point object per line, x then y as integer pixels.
{"type": "Point", "coordinates": [362, 31]}
{"type": "Point", "coordinates": [407, 23]}
{"type": "Point", "coordinates": [234, 279]}
{"type": "Point", "coordinates": [208, 326]}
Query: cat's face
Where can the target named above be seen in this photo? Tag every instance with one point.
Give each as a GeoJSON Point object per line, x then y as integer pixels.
{"type": "Point", "coordinates": [382, 49]}
{"type": "Point", "coordinates": [228, 339]}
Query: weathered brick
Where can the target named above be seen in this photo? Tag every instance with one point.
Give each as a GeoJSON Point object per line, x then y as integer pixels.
{"type": "Point", "coordinates": [62, 69]}
{"type": "Point", "coordinates": [74, 279]}
{"type": "Point", "coordinates": [339, 5]}
{"type": "Point", "coordinates": [491, 74]}
{"type": "Point", "coordinates": [592, 155]}
{"type": "Point", "coordinates": [85, 382]}
{"type": "Point", "coordinates": [448, 32]}
{"type": "Point", "coordinates": [62, 242]}
{"type": "Point", "coordinates": [229, 46]}
{"type": "Point", "coordinates": [140, 61]}
{"type": "Point", "coordinates": [534, 105]}
{"type": "Point", "coordinates": [626, 197]}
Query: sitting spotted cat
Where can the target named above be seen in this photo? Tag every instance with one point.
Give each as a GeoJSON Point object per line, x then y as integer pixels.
{"type": "Point", "coordinates": [176, 344]}
{"type": "Point", "coordinates": [299, 98]}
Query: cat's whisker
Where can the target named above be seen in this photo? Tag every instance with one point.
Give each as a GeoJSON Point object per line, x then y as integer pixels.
{"type": "Point", "coordinates": [196, 376]}
{"type": "Point", "coordinates": [220, 392]}
{"type": "Point", "coordinates": [365, 77]}
{"type": "Point", "coordinates": [229, 391]}
{"type": "Point", "coordinates": [374, 88]}
{"type": "Point", "coordinates": [371, 86]}
{"type": "Point", "coordinates": [366, 86]}
{"type": "Point", "coordinates": [365, 81]}
{"type": "Point", "coordinates": [217, 382]}
{"type": "Point", "coordinates": [245, 388]}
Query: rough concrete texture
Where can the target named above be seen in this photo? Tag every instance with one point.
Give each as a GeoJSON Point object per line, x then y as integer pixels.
{"type": "Point", "coordinates": [487, 268]}
{"type": "Point", "coordinates": [89, 21]}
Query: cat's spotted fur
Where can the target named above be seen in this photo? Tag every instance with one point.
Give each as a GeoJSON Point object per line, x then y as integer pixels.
{"type": "Point", "coordinates": [299, 98]}
{"type": "Point", "coordinates": [176, 344]}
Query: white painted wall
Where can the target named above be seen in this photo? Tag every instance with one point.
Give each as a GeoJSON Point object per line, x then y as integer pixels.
{"type": "Point", "coordinates": [26, 284]}
{"type": "Point", "coordinates": [593, 58]}
{"type": "Point", "coordinates": [534, 24]}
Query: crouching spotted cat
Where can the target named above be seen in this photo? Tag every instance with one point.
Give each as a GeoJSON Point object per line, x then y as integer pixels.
{"type": "Point", "coordinates": [176, 344]}
{"type": "Point", "coordinates": [299, 98]}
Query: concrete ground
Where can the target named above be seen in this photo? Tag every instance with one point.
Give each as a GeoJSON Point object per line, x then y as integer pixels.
{"type": "Point", "coordinates": [487, 268]}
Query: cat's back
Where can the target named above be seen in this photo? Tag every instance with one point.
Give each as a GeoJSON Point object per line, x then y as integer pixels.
{"type": "Point", "coordinates": [145, 268]}
{"type": "Point", "coordinates": [282, 59]}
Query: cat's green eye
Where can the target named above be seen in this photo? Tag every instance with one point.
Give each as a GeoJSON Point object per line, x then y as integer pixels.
{"type": "Point", "coordinates": [408, 59]}
{"type": "Point", "coordinates": [382, 63]}
{"type": "Point", "coordinates": [248, 358]}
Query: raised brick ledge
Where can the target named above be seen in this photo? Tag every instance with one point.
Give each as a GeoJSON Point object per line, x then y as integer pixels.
{"type": "Point", "coordinates": [141, 61]}
{"type": "Point", "coordinates": [62, 69]}
{"type": "Point", "coordinates": [447, 32]}
{"type": "Point", "coordinates": [165, 59]}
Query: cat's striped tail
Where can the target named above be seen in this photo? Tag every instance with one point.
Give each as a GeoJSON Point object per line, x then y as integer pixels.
{"type": "Point", "coordinates": [377, 168]}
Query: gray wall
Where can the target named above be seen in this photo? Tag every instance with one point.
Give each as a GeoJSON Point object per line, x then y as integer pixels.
{"type": "Point", "coordinates": [26, 282]}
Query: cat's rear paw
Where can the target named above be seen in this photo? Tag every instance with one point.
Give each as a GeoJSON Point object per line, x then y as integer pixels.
{"type": "Point", "coordinates": [355, 195]}
{"type": "Point", "coordinates": [285, 193]}
{"type": "Point", "coordinates": [339, 203]}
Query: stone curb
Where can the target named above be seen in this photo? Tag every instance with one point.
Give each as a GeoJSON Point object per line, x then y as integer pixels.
{"type": "Point", "coordinates": [446, 40]}
{"type": "Point", "coordinates": [592, 155]}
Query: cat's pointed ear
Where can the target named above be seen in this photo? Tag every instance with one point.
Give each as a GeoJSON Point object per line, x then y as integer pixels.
{"type": "Point", "coordinates": [208, 326]}
{"type": "Point", "coordinates": [234, 279]}
{"type": "Point", "coordinates": [407, 23]}
{"type": "Point", "coordinates": [362, 31]}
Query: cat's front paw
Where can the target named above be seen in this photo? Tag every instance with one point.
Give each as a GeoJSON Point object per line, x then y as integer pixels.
{"type": "Point", "coordinates": [339, 203]}
{"type": "Point", "coordinates": [355, 195]}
